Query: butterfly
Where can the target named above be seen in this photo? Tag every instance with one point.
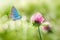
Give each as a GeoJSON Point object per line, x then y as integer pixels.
{"type": "Point", "coordinates": [14, 14]}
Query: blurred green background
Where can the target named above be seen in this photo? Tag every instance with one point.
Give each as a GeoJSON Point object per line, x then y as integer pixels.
{"type": "Point", "coordinates": [23, 30]}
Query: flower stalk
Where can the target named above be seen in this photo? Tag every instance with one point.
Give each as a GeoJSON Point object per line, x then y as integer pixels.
{"type": "Point", "coordinates": [40, 37]}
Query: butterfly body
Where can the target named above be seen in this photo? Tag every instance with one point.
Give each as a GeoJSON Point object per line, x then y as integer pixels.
{"type": "Point", "coordinates": [14, 14]}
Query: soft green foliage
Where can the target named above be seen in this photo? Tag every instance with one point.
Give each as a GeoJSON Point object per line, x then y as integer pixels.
{"type": "Point", "coordinates": [23, 30]}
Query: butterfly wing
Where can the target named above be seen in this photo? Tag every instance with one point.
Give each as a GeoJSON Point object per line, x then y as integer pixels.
{"type": "Point", "coordinates": [14, 14]}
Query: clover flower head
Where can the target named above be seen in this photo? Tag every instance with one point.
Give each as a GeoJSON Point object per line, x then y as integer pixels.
{"type": "Point", "coordinates": [37, 17]}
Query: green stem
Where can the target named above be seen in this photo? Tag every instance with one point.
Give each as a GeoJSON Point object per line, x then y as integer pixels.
{"type": "Point", "coordinates": [39, 33]}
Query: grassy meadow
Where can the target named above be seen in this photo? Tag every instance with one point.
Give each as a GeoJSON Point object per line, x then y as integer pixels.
{"type": "Point", "coordinates": [23, 29]}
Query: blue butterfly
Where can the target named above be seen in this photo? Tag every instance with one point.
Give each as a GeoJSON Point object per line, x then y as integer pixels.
{"type": "Point", "coordinates": [14, 14]}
